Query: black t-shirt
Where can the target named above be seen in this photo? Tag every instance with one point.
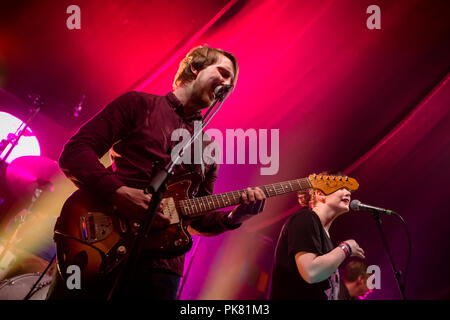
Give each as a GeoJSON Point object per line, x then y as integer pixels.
{"type": "Point", "coordinates": [302, 232]}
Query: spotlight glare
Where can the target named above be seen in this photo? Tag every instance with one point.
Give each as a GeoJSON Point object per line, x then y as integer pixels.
{"type": "Point", "coordinates": [28, 144]}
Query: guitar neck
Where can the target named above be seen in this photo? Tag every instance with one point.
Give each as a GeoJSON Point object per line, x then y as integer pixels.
{"type": "Point", "coordinates": [191, 208]}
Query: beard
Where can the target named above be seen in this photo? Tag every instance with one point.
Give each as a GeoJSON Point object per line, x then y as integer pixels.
{"type": "Point", "coordinates": [201, 97]}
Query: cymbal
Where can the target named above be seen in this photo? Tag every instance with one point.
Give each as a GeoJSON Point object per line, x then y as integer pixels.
{"type": "Point", "coordinates": [25, 174]}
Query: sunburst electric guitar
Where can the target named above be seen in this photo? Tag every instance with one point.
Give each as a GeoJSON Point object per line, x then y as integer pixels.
{"type": "Point", "coordinates": [95, 236]}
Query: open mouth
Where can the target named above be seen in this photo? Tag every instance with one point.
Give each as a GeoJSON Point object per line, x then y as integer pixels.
{"type": "Point", "coordinates": [346, 201]}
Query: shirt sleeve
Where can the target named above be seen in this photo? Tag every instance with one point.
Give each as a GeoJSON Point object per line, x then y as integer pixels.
{"type": "Point", "coordinates": [79, 159]}
{"type": "Point", "coordinates": [214, 222]}
{"type": "Point", "coordinates": [304, 234]}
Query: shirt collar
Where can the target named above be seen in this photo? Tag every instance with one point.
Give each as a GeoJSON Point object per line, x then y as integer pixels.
{"type": "Point", "coordinates": [178, 107]}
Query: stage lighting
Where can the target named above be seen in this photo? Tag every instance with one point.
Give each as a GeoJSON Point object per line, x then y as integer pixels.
{"type": "Point", "coordinates": [28, 144]}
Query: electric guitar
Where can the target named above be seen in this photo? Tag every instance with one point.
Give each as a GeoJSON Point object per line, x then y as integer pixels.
{"type": "Point", "coordinates": [95, 237]}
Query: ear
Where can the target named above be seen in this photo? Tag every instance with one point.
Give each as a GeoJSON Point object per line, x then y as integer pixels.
{"type": "Point", "coordinates": [193, 70]}
{"type": "Point", "coordinates": [320, 196]}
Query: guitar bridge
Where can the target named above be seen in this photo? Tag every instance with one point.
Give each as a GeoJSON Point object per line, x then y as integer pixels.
{"type": "Point", "coordinates": [95, 226]}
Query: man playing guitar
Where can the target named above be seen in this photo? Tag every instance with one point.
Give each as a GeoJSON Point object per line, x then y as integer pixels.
{"type": "Point", "coordinates": [137, 128]}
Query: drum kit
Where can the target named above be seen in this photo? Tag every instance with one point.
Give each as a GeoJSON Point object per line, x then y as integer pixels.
{"type": "Point", "coordinates": [23, 274]}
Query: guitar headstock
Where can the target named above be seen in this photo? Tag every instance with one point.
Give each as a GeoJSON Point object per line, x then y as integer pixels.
{"type": "Point", "coordinates": [329, 184]}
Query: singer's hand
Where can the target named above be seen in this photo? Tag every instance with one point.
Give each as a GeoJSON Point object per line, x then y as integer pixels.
{"type": "Point", "coordinates": [357, 251]}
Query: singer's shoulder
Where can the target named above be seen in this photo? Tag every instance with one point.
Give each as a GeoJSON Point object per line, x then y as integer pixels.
{"type": "Point", "coordinates": [139, 100]}
{"type": "Point", "coordinates": [129, 97]}
{"type": "Point", "coordinates": [305, 211]}
{"type": "Point", "coordinates": [304, 214]}
{"type": "Point", "coordinates": [303, 220]}
{"type": "Point", "coordinates": [140, 95]}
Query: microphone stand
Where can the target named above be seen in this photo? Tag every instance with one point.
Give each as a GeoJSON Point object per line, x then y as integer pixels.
{"type": "Point", "coordinates": [157, 189]}
{"type": "Point", "coordinates": [14, 139]}
{"type": "Point", "coordinates": [397, 274]}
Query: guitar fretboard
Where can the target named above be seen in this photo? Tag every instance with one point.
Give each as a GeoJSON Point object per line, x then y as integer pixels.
{"type": "Point", "coordinates": [191, 208]}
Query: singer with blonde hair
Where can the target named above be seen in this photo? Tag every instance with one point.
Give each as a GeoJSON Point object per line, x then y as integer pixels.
{"type": "Point", "coordinates": [306, 261]}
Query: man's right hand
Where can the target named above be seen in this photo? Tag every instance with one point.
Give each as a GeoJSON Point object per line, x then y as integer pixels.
{"type": "Point", "coordinates": [357, 251]}
{"type": "Point", "coordinates": [132, 203]}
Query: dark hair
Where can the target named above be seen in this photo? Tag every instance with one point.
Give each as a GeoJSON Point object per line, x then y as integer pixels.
{"type": "Point", "coordinates": [201, 57]}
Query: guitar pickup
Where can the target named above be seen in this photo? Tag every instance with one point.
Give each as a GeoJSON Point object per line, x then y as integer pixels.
{"type": "Point", "coordinates": [95, 226]}
{"type": "Point", "coordinates": [169, 210]}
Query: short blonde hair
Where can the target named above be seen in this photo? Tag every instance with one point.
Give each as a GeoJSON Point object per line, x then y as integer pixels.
{"type": "Point", "coordinates": [199, 58]}
{"type": "Point", "coordinates": [307, 198]}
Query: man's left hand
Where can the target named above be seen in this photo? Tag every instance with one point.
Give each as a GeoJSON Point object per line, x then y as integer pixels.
{"type": "Point", "coordinates": [252, 203]}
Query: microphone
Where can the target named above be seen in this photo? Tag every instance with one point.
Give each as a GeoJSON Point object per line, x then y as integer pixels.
{"type": "Point", "coordinates": [221, 90]}
{"type": "Point", "coordinates": [356, 205]}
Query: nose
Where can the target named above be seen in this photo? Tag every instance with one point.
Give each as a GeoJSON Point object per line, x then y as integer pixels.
{"type": "Point", "coordinates": [225, 78]}
{"type": "Point", "coordinates": [225, 81]}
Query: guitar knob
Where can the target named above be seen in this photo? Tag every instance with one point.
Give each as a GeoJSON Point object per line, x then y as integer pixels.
{"type": "Point", "coordinates": [121, 250]}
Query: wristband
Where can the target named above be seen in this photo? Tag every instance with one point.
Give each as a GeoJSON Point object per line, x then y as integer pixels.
{"type": "Point", "coordinates": [346, 248]}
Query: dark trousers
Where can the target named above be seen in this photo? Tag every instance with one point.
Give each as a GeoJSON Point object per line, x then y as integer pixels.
{"type": "Point", "coordinates": [146, 283]}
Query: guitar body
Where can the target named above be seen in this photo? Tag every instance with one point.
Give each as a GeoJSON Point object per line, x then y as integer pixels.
{"type": "Point", "coordinates": [95, 237]}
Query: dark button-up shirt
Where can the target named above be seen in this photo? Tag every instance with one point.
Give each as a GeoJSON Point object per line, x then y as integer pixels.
{"type": "Point", "coordinates": [137, 127]}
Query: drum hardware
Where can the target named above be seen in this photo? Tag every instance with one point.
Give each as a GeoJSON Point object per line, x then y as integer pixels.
{"type": "Point", "coordinates": [13, 138]}
{"type": "Point", "coordinates": [16, 288]}
{"type": "Point", "coordinates": [29, 176]}
{"type": "Point", "coordinates": [37, 283]}
{"type": "Point", "coordinates": [22, 220]}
